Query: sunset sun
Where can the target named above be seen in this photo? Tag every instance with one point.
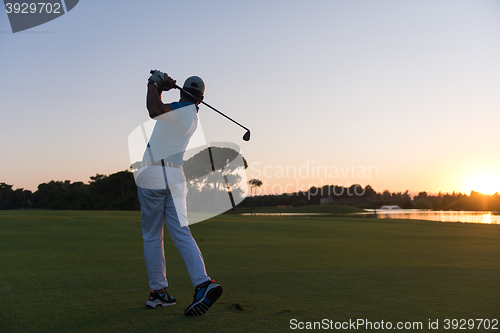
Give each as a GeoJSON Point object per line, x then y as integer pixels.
{"type": "Point", "coordinates": [486, 183]}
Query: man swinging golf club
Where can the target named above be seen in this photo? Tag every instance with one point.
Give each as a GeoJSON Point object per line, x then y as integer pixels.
{"type": "Point", "coordinates": [162, 191]}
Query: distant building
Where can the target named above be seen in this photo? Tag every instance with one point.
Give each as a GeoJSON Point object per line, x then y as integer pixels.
{"type": "Point", "coordinates": [326, 200]}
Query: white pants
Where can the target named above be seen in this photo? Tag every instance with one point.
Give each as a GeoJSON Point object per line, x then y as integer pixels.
{"type": "Point", "coordinates": [157, 205]}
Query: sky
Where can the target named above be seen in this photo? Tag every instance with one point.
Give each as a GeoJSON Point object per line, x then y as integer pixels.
{"type": "Point", "coordinates": [399, 95]}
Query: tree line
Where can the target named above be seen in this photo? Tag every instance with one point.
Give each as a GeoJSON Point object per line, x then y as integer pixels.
{"type": "Point", "coordinates": [114, 192]}
{"type": "Point", "coordinates": [368, 198]}
{"type": "Point", "coordinates": [118, 191]}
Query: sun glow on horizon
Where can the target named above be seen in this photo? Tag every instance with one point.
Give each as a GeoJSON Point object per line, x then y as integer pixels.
{"type": "Point", "coordinates": [485, 182]}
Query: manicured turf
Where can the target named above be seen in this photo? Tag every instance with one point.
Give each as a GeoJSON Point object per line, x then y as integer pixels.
{"type": "Point", "coordinates": [323, 209]}
{"type": "Point", "coordinates": [69, 271]}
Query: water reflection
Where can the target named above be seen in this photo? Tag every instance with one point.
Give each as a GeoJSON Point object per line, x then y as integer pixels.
{"type": "Point", "coordinates": [285, 214]}
{"type": "Point", "coordinates": [411, 214]}
{"type": "Point", "coordinates": [441, 216]}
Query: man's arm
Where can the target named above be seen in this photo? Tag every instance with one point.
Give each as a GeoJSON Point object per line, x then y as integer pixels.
{"type": "Point", "coordinates": [153, 100]}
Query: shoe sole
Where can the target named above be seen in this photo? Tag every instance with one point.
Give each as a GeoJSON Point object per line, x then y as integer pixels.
{"type": "Point", "coordinates": [155, 305]}
{"type": "Point", "coordinates": [201, 307]}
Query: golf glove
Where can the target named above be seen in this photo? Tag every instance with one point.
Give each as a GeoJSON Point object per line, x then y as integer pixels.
{"type": "Point", "coordinates": [158, 77]}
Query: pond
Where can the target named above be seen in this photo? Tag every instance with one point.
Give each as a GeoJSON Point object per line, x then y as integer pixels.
{"type": "Point", "coordinates": [432, 215]}
{"type": "Point", "coordinates": [286, 214]}
{"type": "Point", "coordinates": [411, 214]}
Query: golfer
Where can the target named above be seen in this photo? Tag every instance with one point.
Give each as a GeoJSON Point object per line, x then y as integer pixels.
{"type": "Point", "coordinates": [162, 193]}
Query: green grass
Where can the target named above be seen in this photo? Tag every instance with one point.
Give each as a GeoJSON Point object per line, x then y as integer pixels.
{"type": "Point", "coordinates": [324, 209]}
{"type": "Point", "coordinates": [70, 271]}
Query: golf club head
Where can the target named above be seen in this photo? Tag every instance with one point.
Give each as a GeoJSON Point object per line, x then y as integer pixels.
{"type": "Point", "coordinates": [246, 137]}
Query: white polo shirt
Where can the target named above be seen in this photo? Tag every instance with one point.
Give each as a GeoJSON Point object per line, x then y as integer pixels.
{"type": "Point", "coordinates": [170, 138]}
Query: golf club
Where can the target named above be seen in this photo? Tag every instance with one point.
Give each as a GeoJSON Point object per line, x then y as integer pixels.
{"type": "Point", "coordinates": [246, 136]}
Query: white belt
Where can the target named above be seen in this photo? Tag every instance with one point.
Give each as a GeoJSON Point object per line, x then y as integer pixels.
{"type": "Point", "coordinates": [162, 163]}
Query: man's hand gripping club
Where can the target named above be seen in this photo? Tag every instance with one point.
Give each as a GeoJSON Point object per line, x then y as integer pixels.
{"type": "Point", "coordinates": [158, 82]}
{"type": "Point", "coordinates": [162, 81]}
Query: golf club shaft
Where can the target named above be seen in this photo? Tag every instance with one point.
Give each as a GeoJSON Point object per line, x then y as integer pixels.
{"type": "Point", "coordinates": [222, 114]}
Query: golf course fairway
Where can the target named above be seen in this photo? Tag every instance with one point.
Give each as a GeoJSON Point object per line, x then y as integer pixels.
{"type": "Point", "coordinates": [84, 271]}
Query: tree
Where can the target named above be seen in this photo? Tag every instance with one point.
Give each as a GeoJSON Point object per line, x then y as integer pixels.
{"type": "Point", "coordinates": [6, 194]}
{"type": "Point", "coordinates": [210, 174]}
{"type": "Point", "coordinates": [422, 201]}
{"type": "Point", "coordinates": [14, 199]}
{"type": "Point", "coordinates": [201, 164]}
{"type": "Point", "coordinates": [116, 191]}
{"type": "Point", "coordinates": [254, 183]}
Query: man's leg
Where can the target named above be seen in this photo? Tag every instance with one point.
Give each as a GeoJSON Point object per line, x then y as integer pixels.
{"type": "Point", "coordinates": [206, 291]}
{"type": "Point", "coordinates": [185, 243]}
{"type": "Point", "coordinates": [152, 216]}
